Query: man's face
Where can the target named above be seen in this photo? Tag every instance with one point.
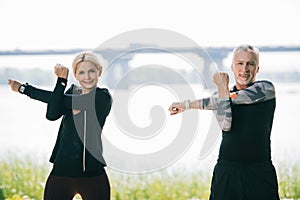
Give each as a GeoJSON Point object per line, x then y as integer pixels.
{"type": "Point", "coordinates": [244, 67]}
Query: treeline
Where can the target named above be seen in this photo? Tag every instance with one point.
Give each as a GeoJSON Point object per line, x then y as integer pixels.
{"type": "Point", "coordinates": [137, 76]}
{"type": "Point", "coordinates": [33, 76]}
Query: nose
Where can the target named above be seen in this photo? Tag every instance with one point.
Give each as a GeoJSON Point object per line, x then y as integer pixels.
{"type": "Point", "coordinates": [245, 67]}
{"type": "Point", "coordinates": [87, 76]}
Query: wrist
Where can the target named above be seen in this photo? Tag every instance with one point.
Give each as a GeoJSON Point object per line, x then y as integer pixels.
{"type": "Point", "coordinates": [22, 88]}
{"type": "Point", "coordinates": [224, 92]}
{"type": "Point", "coordinates": [62, 81]}
{"type": "Point", "coordinates": [187, 104]}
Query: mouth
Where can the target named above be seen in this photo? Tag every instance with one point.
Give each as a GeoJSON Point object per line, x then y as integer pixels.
{"type": "Point", "coordinates": [88, 82]}
{"type": "Point", "coordinates": [244, 76]}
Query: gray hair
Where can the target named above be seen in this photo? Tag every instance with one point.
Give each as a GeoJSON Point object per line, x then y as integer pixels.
{"type": "Point", "coordinates": [246, 47]}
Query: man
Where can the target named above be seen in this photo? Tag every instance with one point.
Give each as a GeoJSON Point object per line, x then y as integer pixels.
{"type": "Point", "coordinates": [244, 170]}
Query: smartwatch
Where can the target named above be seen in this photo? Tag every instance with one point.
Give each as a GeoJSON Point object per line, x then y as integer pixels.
{"type": "Point", "coordinates": [22, 88]}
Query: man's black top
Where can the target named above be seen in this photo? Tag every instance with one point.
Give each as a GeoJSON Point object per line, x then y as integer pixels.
{"type": "Point", "coordinates": [249, 137]}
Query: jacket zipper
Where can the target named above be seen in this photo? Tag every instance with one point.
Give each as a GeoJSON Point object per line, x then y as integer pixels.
{"type": "Point", "coordinates": [84, 141]}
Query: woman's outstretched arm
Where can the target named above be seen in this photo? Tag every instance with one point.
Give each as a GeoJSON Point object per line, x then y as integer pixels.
{"type": "Point", "coordinates": [32, 92]}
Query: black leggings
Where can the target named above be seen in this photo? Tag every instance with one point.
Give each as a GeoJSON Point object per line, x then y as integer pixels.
{"type": "Point", "coordinates": [89, 188]}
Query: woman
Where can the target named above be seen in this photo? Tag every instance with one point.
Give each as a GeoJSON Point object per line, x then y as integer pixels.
{"type": "Point", "coordinates": [78, 165]}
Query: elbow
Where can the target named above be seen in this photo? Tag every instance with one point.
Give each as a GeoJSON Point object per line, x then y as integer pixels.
{"type": "Point", "coordinates": [226, 129]}
{"type": "Point", "coordinates": [225, 124]}
{"type": "Point", "coordinates": [52, 117]}
{"type": "Point", "coordinates": [53, 113]}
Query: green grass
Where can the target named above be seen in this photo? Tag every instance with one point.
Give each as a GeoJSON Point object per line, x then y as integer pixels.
{"type": "Point", "coordinates": [289, 180]}
{"type": "Point", "coordinates": [23, 178]}
{"type": "Point", "coordinates": [163, 185]}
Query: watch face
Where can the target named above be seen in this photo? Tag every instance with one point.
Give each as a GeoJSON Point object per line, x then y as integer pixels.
{"type": "Point", "coordinates": [22, 89]}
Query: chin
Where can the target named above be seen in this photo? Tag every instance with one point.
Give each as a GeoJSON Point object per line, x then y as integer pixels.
{"type": "Point", "coordinates": [91, 88]}
{"type": "Point", "coordinates": [244, 83]}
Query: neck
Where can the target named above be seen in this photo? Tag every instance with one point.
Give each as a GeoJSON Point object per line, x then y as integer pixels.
{"type": "Point", "coordinates": [85, 91]}
{"type": "Point", "coordinates": [241, 87]}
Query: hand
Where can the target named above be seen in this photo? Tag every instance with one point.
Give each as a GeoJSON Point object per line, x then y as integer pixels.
{"type": "Point", "coordinates": [14, 85]}
{"type": "Point", "coordinates": [176, 108]}
{"type": "Point", "coordinates": [61, 71]}
{"type": "Point", "coordinates": [221, 79]}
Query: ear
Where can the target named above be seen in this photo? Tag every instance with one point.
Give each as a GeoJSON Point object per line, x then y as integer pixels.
{"type": "Point", "coordinates": [231, 67]}
{"type": "Point", "coordinates": [257, 70]}
{"type": "Point", "coordinates": [75, 76]}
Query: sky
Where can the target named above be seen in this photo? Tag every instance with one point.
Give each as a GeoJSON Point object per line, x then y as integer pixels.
{"type": "Point", "coordinates": [57, 24]}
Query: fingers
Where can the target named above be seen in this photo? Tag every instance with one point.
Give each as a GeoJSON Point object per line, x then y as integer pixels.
{"type": "Point", "coordinates": [14, 85]}
{"type": "Point", "coordinates": [221, 78]}
{"type": "Point", "coordinates": [60, 67]}
{"type": "Point", "coordinates": [10, 81]}
{"type": "Point", "coordinates": [220, 75]}
{"type": "Point", "coordinates": [175, 108]}
{"type": "Point", "coordinates": [61, 71]}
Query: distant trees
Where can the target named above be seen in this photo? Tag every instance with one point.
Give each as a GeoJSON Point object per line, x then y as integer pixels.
{"type": "Point", "coordinates": [140, 75]}
{"type": "Point", "coordinates": [32, 76]}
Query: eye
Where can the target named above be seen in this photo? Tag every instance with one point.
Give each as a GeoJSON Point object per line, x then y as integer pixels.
{"type": "Point", "coordinates": [80, 72]}
{"type": "Point", "coordinates": [251, 63]}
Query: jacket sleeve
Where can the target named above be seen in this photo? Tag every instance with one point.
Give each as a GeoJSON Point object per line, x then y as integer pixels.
{"type": "Point", "coordinates": [103, 105]}
{"type": "Point", "coordinates": [223, 113]}
{"type": "Point", "coordinates": [221, 108]}
{"type": "Point", "coordinates": [37, 94]}
{"type": "Point", "coordinates": [55, 106]}
{"type": "Point", "coordinates": [258, 92]}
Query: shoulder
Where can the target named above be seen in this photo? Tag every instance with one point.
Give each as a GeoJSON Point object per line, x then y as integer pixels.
{"type": "Point", "coordinates": [265, 84]}
{"type": "Point", "coordinates": [103, 93]}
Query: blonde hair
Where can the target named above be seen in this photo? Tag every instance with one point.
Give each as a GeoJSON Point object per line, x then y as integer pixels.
{"type": "Point", "coordinates": [86, 56]}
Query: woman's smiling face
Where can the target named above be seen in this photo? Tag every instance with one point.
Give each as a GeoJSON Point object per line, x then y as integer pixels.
{"type": "Point", "coordinates": [87, 75]}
